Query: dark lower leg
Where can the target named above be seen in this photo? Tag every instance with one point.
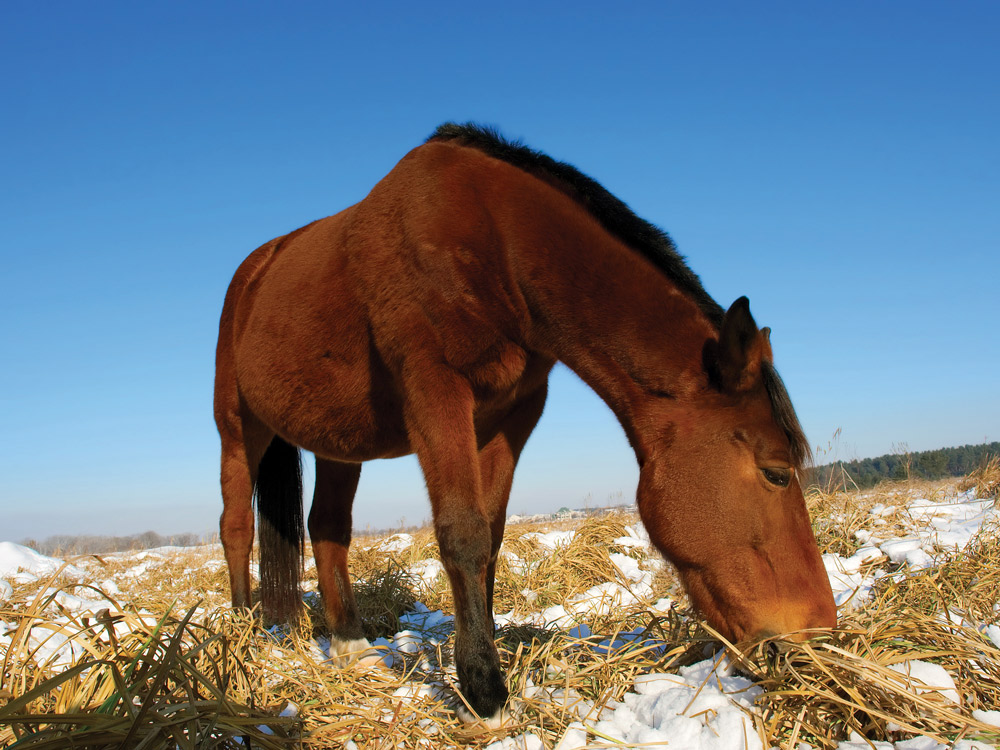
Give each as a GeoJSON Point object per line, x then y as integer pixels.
{"type": "Point", "coordinates": [442, 433]}
{"type": "Point", "coordinates": [465, 541]}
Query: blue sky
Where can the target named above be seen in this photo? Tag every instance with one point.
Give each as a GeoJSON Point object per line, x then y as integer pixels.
{"type": "Point", "coordinates": [837, 163]}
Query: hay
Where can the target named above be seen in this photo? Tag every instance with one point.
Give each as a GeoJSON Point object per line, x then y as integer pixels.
{"type": "Point", "coordinates": [821, 691]}
{"type": "Point", "coordinates": [985, 480]}
{"type": "Point", "coordinates": [383, 597]}
{"type": "Point", "coordinates": [166, 683]}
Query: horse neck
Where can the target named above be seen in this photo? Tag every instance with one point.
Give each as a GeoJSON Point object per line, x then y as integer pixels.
{"type": "Point", "coordinates": [615, 319]}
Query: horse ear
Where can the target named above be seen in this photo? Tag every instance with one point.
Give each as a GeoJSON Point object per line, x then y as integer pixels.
{"type": "Point", "coordinates": [734, 360]}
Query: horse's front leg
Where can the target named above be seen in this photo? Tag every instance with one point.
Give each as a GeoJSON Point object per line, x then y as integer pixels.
{"type": "Point", "coordinates": [440, 425]}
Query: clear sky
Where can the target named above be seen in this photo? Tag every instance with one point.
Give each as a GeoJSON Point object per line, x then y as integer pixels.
{"type": "Point", "coordinates": [835, 162]}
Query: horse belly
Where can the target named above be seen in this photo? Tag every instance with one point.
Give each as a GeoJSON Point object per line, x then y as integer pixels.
{"type": "Point", "coordinates": [326, 405]}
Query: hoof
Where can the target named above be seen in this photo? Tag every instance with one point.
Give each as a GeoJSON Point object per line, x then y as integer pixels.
{"type": "Point", "coordinates": [484, 692]}
{"type": "Point", "coordinates": [494, 722]}
{"type": "Point", "coordinates": [357, 650]}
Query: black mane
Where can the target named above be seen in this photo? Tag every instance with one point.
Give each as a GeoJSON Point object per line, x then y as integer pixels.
{"type": "Point", "coordinates": [647, 239]}
{"type": "Point", "coordinates": [784, 415]}
{"type": "Point", "coordinates": [613, 214]}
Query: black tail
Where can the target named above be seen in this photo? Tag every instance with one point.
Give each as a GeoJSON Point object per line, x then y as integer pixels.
{"type": "Point", "coordinates": [281, 531]}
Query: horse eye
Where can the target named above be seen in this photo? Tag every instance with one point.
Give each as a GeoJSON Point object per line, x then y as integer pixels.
{"type": "Point", "coordinates": [778, 477]}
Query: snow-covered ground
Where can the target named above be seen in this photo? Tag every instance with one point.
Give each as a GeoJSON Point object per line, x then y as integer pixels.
{"type": "Point", "coordinates": [705, 706]}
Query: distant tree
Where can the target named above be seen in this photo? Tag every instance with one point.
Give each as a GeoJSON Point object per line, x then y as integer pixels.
{"type": "Point", "coordinates": [935, 464]}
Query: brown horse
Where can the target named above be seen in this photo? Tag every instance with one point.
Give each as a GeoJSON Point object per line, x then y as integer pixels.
{"type": "Point", "coordinates": [426, 318]}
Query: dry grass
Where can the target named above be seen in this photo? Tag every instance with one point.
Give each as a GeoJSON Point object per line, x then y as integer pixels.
{"type": "Point", "coordinates": [841, 518]}
{"type": "Point", "coordinates": [824, 689]}
{"type": "Point", "coordinates": [168, 665]}
{"type": "Point", "coordinates": [150, 682]}
{"type": "Point", "coordinates": [985, 480]}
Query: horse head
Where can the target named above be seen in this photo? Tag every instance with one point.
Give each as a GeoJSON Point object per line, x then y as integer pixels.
{"type": "Point", "coordinates": [720, 494]}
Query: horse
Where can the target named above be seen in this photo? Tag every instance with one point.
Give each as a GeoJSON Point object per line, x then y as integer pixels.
{"type": "Point", "coordinates": [426, 319]}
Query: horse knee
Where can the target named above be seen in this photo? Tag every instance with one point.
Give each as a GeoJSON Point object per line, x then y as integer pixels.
{"type": "Point", "coordinates": [236, 526]}
{"type": "Point", "coordinates": [464, 539]}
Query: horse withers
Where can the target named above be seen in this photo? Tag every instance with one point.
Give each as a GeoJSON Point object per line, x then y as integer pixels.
{"type": "Point", "coordinates": [426, 318]}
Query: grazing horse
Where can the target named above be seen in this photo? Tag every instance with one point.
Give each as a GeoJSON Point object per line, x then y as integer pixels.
{"type": "Point", "coordinates": [426, 318]}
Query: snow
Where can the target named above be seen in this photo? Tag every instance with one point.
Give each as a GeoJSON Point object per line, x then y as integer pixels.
{"type": "Point", "coordinates": [925, 678]}
{"type": "Point", "coordinates": [574, 737]}
{"type": "Point", "coordinates": [594, 602]}
{"type": "Point", "coordinates": [526, 741]}
{"type": "Point", "coordinates": [942, 526]}
{"type": "Point", "coordinates": [701, 707]}
{"type": "Point", "coordinates": [423, 630]}
{"type": "Point", "coordinates": [517, 564]}
{"type": "Point", "coordinates": [426, 572]}
{"type": "Point", "coordinates": [987, 717]}
{"type": "Point", "coordinates": [635, 536]}
{"type": "Point", "coordinates": [290, 710]}
{"type": "Point", "coordinates": [553, 539]}
{"type": "Point", "coordinates": [393, 544]}
{"type": "Point", "coordinates": [993, 633]}
{"type": "Point", "coordinates": [24, 565]}
{"type": "Point", "coordinates": [629, 568]}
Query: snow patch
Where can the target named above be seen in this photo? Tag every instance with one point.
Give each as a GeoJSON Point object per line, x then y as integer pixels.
{"type": "Point", "coordinates": [552, 540]}
{"type": "Point", "coordinates": [23, 565]}
{"type": "Point", "coordinates": [700, 708]}
{"type": "Point", "coordinates": [926, 678]}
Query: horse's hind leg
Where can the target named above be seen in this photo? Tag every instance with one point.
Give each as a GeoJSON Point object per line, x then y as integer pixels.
{"type": "Point", "coordinates": [439, 415]}
{"type": "Point", "coordinates": [497, 461]}
{"type": "Point", "coordinates": [330, 532]}
{"type": "Point", "coordinates": [244, 440]}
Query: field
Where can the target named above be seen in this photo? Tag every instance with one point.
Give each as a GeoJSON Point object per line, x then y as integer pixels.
{"type": "Point", "coordinates": [141, 649]}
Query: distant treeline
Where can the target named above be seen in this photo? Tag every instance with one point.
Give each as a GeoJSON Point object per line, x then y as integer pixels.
{"type": "Point", "coordinates": [937, 464]}
{"type": "Point", "coordinates": [65, 544]}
